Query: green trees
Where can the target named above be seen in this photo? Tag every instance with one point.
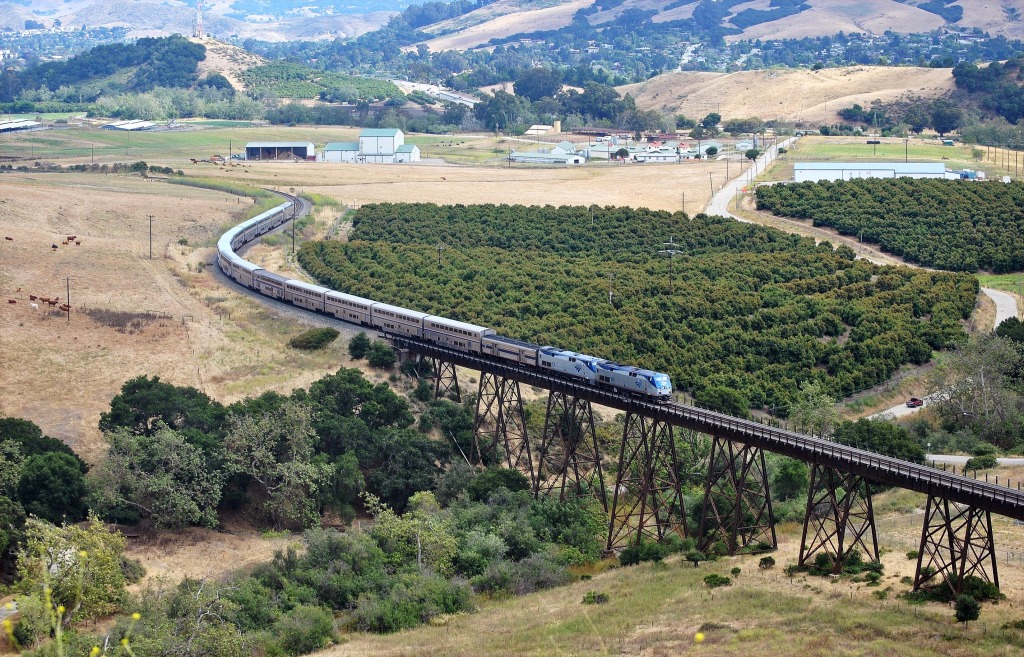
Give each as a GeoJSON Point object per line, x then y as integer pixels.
{"type": "Point", "coordinates": [880, 436]}
{"type": "Point", "coordinates": [758, 311]}
{"type": "Point", "coordinates": [536, 83]}
{"type": "Point", "coordinates": [359, 345]}
{"type": "Point", "coordinates": [948, 224]}
{"type": "Point", "coordinates": [380, 355]}
{"type": "Point", "coordinates": [160, 476]}
{"type": "Point", "coordinates": [316, 338]}
{"type": "Point", "coordinates": [52, 487]}
{"type": "Point", "coordinates": [276, 451]}
{"type": "Point", "coordinates": [967, 609]}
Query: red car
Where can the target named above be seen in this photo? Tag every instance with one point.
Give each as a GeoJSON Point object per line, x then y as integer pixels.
{"type": "Point", "coordinates": [914, 402]}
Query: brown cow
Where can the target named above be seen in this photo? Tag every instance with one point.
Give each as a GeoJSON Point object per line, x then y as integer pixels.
{"type": "Point", "coordinates": [9, 239]}
{"type": "Point", "coordinates": [71, 238]}
{"type": "Point", "coordinates": [78, 242]}
{"type": "Point", "coordinates": [33, 297]}
{"type": "Point", "coordinates": [52, 303]}
{"type": "Point", "coordinates": [12, 301]}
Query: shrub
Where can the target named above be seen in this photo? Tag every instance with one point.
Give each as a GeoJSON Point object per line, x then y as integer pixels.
{"type": "Point", "coordinates": [714, 580]}
{"type": "Point", "coordinates": [595, 598]}
{"type": "Point", "coordinates": [983, 462]}
{"type": "Point", "coordinates": [966, 609]}
{"type": "Point", "coordinates": [695, 557]}
{"type": "Point", "coordinates": [305, 629]}
{"type": "Point", "coordinates": [132, 569]}
{"type": "Point", "coordinates": [735, 572]}
{"type": "Point", "coordinates": [359, 345]}
{"type": "Point", "coordinates": [380, 355]}
{"type": "Point", "coordinates": [913, 555]}
{"type": "Point", "coordinates": [313, 339]}
{"type": "Point", "coordinates": [491, 479]}
{"type": "Point", "coordinates": [643, 551]}
{"type": "Point", "coordinates": [766, 562]}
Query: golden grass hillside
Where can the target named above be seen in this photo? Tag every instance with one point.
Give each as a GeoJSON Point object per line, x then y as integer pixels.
{"type": "Point", "coordinates": [228, 60]}
{"type": "Point", "coordinates": [813, 97]}
{"type": "Point", "coordinates": [502, 19]}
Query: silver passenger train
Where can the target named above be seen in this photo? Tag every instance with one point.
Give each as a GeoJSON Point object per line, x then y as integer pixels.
{"type": "Point", "coordinates": [394, 320]}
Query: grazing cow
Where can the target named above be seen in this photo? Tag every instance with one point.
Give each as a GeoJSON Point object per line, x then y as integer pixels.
{"type": "Point", "coordinates": [71, 238]}
{"type": "Point", "coordinates": [12, 301]}
{"type": "Point", "coordinates": [54, 247]}
{"type": "Point", "coordinates": [52, 303]}
{"type": "Point", "coordinates": [78, 242]}
{"type": "Point", "coordinates": [35, 306]}
{"type": "Point", "coordinates": [9, 239]}
{"type": "Point", "coordinates": [32, 297]}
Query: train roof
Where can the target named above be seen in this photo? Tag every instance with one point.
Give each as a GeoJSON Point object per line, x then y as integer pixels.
{"type": "Point", "coordinates": [224, 243]}
{"type": "Point", "coordinates": [344, 296]}
{"type": "Point", "coordinates": [277, 278]}
{"type": "Point", "coordinates": [377, 305]}
{"type": "Point", "coordinates": [307, 286]}
{"type": "Point", "coordinates": [518, 343]}
{"type": "Point", "coordinates": [454, 323]}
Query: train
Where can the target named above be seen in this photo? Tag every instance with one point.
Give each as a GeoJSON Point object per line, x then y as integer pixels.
{"type": "Point", "coordinates": [404, 322]}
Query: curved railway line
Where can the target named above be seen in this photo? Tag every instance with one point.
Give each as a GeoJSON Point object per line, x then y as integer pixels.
{"type": "Point", "coordinates": [957, 535]}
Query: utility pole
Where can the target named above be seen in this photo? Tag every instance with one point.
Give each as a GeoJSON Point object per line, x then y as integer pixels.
{"type": "Point", "coordinates": [440, 247]}
{"type": "Point", "coordinates": [611, 283]}
{"type": "Point", "coordinates": [711, 183]}
{"type": "Point", "coordinates": [684, 201]}
{"type": "Point", "coordinates": [293, 233]}
{"type": "Point", "coordinates": [67, 281]}
{"type": "Point", "coordinates": [150, 237]}
{"type": "Point", "coordinates": [671, 251]}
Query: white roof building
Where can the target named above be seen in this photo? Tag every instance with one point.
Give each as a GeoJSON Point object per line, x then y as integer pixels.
{"type": "Point", "coordinates": [815, 171]}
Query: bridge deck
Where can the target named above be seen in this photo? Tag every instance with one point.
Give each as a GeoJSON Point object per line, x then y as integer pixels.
{"type": "Point", "coordinates": [875, 467]}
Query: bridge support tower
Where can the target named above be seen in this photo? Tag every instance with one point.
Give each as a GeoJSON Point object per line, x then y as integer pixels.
{"type": "Point", "coordinates": [446, 382]}
{"type": "Point", "coordinates": [569, 461]}
{"type": "Point", "coordinates": [499, 429]}
{"type": "Point", "coordinates": [839, 518]}
{"type": "Point", "coordinates": [956, 543]}
{"type": "Point", "coordinates": [647, 502]}
{"type": "Point", "coordinates": [737, 507]}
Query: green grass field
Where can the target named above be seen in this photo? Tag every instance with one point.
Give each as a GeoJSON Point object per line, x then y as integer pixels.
{"type": "Point", "coordinates": [1007, 282]}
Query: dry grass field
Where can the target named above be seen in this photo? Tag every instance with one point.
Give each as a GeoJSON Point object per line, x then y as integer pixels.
{"type": "Point", "coordinates": [811, 97]}
{"type": "Point", "coordinates": [827, 17]}
{"type": "Point", "coordinates": [503, 19]}
{"type": "Point", "coordinates": [228, 60]}
{"type": "Point", "coordinates": [182, 325]}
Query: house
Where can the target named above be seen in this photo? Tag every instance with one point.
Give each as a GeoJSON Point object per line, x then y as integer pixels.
{"type": "Point", "coordinates": [658, 155]}
{"type": "Point", "coordinates": [564, 148]}
{"type": "Point", "coordinates": [407, 153]}
{"type": "Point", "coordinates": [340, 151]}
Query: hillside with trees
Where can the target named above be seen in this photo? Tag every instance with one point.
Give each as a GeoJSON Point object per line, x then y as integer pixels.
{"type": "Point", "coordinates": [958, 225]}
{"type": "Point", "coordinates": [752, 310]}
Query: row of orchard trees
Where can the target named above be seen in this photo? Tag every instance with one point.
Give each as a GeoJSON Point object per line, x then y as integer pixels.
{"type": "Point", "coordinates": [956, 225]}
{"type": "Point", "coordinates": [752, 309]}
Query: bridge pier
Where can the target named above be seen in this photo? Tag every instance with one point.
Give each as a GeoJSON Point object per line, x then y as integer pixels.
{"type": "Point", "coordinates": [647, 501]}
{"type": "Point", "coordinates": [737, 508]}
{"type": "Point", "coordinates": [446, 383]}
{"type": "Point", "coordinates": [840, 517]}
{"type": "Point", "coordinates": [956, 543]}
{"type": "Point", "coordinates": [569, 460]}
{"type": "Point", "coordinates": [499, 428]}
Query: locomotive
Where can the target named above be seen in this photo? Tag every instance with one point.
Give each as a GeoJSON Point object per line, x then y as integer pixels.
{"type": "Point", "coordinates": [398, 321]}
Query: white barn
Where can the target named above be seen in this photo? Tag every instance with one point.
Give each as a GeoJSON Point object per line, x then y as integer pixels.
{"type": "Point", "coordinates": [407, 153]}
{"type": "Point", "coordinates": [340, 151]}
{"type": "Point", "coordinates": [816, 171]}
{"type": "Point", "coordinates": [379, 145]}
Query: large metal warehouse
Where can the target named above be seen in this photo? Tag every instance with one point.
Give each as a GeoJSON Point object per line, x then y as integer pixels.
{"type": "Point", "coordinates": [816, 171]}
{"type": "Point", "coordinates": [284, 151]}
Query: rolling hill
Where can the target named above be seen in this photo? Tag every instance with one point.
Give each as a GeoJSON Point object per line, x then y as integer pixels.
{"type": "Point", "coordinates": [799, 95]}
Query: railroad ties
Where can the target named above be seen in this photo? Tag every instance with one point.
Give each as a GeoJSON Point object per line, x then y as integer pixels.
{"type": "Point", "coordinates": [643, 497]}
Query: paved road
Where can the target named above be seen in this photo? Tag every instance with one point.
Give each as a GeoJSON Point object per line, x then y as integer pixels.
{"type": "Point", "coordinates": [1006, 304]}
{"type": "Point", "coordinates": [719, 204]}
{"type": "Point", "coordinates": [960, 460]}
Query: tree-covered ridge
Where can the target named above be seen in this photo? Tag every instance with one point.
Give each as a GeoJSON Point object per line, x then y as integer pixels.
{"type": "Point", "coordinates": [286, 80]}
{"type": "Point", "coordinates": [998, 85]}
{"type": "Point", "coordinates": [957, 225]}
{"type": "Point", "coordinates": [753, 309]}
{"type": "Point", "coordinates": [153, 62]}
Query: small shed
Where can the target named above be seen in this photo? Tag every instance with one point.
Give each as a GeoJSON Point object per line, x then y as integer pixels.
{"type": "Point", "coordinates": [407, 153]}
{"type": "Point", "coordinates": [280, 151]}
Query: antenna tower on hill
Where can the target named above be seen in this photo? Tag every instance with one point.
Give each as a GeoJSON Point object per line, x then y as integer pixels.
{"type": "Point", "coordinates": [197, 30]}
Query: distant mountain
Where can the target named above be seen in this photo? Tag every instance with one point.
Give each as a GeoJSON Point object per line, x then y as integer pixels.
{"type": "Point", "coordinates": [268, 20]}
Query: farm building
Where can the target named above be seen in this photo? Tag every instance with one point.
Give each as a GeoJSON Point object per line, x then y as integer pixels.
{"type": "Point", "coordinates": [280, 150]}
{"type": "Point", "coordinates": [815, 171]}
{"type": "Point", "coordinates": [132, 126]}
{"type": "Point", "coordinates": [407, 153]}
{"type": "Point", "coordinates": [340, 151]}
{"type": "Point", "coordinates": [542, 157]}
{"type": "Point", "coordinates": [665, 154]}
{"type": "Point", "coordinates": [379, 145]}
{"type": "Point", "coordinates": [17, 126]}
